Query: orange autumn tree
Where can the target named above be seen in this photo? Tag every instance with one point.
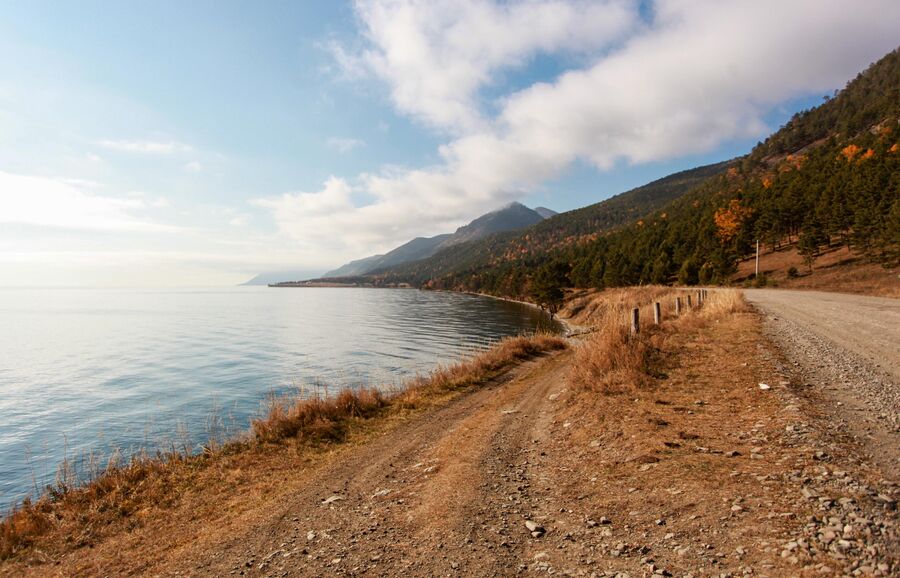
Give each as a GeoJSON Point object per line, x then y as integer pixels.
{"type": "Point", "coordinates": [729, 220]}
{"type": "Point", "coordinates": [850, 151]}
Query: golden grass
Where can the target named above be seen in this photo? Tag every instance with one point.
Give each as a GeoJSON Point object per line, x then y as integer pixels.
{"type": "Point", "coordinates": [612, 359]}
{"type": "Point", "coordinates": [147, 482]}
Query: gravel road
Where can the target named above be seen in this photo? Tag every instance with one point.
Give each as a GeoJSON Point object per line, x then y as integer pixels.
{"type": "Point", "coordinates": [866, 326]}
{"type": "Point", "coordinates": [847, 347]}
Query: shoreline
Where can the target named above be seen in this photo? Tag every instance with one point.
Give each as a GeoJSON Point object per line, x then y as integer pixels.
{"type": "Point", "coordinates": [570, 329]}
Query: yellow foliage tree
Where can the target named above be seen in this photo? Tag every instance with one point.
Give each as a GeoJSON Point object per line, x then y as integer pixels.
{"type": "Point", "coordinates": [729, 220]}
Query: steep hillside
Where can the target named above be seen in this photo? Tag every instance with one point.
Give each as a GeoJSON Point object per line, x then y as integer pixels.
{"type": "Point", "coordinates": [830, 177]}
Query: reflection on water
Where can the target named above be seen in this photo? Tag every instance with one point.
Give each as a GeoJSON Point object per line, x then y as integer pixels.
{"type": "Point", "coordinates": [94, 369]}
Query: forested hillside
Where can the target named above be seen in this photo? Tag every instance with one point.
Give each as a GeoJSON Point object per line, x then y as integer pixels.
{"type": "Point", "coordinates": [830, 176]}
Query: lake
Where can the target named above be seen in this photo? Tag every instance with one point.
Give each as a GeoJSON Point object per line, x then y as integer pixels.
{"type": "Point", "coordinates": [92, 369]}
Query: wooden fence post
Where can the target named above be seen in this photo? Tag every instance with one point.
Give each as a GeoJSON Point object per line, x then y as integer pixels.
{"type": "Point", "coordinates": [699, 298]}
{"type": "Point", "coordinates": [635, 321]}
{"type": "Point", "coordinates": [657, 314]}
{"type": "Point", "coordinates": [678, 306]}
{"type": "Point", "coordinates": [689, 301]}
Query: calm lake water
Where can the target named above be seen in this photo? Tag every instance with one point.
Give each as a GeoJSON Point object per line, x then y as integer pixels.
{"type": "Point", "coordinates": [88, 369]}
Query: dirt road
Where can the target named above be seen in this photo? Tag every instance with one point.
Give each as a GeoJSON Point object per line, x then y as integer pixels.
{"type": "Point", "coordinates": [846, 347]}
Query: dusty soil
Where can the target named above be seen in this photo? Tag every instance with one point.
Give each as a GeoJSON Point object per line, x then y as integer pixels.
{"type": "Point", "coordinates": [702, 473]}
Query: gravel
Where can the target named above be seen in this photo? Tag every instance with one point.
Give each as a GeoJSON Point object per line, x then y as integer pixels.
{"type": "Point", "coordinates": [850, 371]}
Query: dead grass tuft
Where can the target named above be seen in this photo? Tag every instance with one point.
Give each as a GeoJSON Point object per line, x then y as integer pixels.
{"type": "Point", "coordinates": [19, 529]}
{"type": "Point", "coordinates": [315, 419]}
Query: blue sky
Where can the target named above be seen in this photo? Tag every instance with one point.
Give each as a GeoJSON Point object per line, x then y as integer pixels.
{"type": "Point", "coordinates": [200, 143]}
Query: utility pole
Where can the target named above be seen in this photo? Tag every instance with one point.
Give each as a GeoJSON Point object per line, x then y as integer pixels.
{"type": "Point", "coordinates": [757, 259]}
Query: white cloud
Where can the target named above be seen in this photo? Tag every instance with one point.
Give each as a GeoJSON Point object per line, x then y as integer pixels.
{"type": "Point", "coordinates": [146, 146]}
{"type": "Point", "coordinates": [193, 167]}
{"type": "Point", "coordinates": [311, 218]}
{"type": "Point", "coordinates": [46, 202]}
{"type": "Point", "coordinates": [698, 75]}
{"type": "Point", "coordinates": [437, 54]}
{"type": "Point", "coordinates": [345, 145]}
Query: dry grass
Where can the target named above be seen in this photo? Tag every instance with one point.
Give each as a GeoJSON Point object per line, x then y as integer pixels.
{"type": "Point", "coordinates": [124, 491]}
{"type": "Point", "coordinates": [658, 453]}
{"type": "Point", "coordinates": [316, 419]}
{"type": "Point", "coordinates": [118, 490]}
{"type": "Point", "coordinates": [612, 359]}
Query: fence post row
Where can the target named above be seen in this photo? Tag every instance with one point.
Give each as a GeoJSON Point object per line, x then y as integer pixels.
{"type": "Point", "coordinates": [657, 310]}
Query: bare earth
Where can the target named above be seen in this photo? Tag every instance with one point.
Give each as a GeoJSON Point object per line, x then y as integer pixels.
{"type": "Point", "coordinates": [704, 473]}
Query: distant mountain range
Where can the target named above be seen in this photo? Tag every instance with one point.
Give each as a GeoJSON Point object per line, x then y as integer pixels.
{"type": "Point", "coordinates": [512, 217]}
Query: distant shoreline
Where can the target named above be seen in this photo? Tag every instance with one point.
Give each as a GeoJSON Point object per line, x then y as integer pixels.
{"type": "Point", "coordinates": [333, 284]}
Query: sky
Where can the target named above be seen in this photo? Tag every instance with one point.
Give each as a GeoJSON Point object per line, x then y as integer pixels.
{"type": "Point", "coordinates": [200, 143]}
